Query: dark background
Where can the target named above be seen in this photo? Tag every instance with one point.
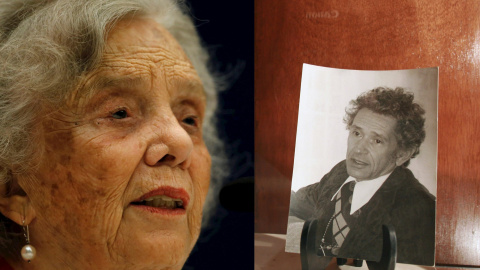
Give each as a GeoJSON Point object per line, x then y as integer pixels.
{"type": "Point", "coordinates": [226, 28]}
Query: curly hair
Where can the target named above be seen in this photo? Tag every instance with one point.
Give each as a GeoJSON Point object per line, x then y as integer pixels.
{"type": "Point", "coordinates": [399, 104]}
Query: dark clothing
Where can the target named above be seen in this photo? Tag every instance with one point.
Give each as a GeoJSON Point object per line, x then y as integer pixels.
{"type": "Point", "coordinates": [401, 201]}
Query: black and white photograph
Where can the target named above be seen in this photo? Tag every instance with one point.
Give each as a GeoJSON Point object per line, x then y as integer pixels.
{"type": "Point", "coordinates": [366, 156]}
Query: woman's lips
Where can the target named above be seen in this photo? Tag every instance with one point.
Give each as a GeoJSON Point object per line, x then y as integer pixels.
{"type": "Point", "coordinates": [164, 200]}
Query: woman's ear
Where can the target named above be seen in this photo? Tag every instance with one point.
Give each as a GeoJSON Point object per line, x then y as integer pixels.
{"type": "Point", "coordinates": [403, 155]}
{"type": "Point", "coordinates": [16, 207]}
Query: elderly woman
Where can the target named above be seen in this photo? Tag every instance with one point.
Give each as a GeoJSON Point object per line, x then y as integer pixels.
{"type": "Point", "coordinates": [104, 106]}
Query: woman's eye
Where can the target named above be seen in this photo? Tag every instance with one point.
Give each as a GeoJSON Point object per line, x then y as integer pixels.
{"type": "Point", "coordinates": [377, 141]}
{"type": "Point", "coordinates": [191, 120]}
{"type": "Point", "coordinates": [356, 133]}
{"type": "Point", "coordinates": [120, 114]}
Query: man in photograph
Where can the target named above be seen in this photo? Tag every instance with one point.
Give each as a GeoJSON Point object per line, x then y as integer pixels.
{"type": "Point", "coordinates": [373, 185]}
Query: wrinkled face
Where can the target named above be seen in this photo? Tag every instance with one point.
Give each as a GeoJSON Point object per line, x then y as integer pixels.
{"type": "Point", "coordinates": [125, 170]}
{"type": "Point", "coordinates": [372, 145]}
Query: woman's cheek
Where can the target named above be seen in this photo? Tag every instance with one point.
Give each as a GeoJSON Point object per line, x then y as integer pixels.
{"type": "Point", "coordinates": [110, 158]}
{"type": "Point", "coordinates": [201, 167]}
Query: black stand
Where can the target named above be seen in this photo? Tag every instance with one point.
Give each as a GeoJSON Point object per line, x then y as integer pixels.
{"type": "Point", "coordinates": [311, 261]}
{"type": "Point", "coordinates": [389, 251]}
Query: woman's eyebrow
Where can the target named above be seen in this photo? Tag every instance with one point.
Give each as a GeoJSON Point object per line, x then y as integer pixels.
{"type": "Point", "coordinates": [192, 88]}
{"type": "Point", "coordinates": [117, 82]}
{"type": "Point", "coordinates": [96, 87]}
{"type": "Point", "coordinates": [98, 84]}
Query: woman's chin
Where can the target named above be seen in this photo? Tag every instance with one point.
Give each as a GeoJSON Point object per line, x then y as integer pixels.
{"type": "Point", "coordinates": [154, 238]}
{"type": "Point", "coordinates": [162, 249]}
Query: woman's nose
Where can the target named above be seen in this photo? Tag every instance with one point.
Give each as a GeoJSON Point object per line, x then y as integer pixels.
{"type": "Point", "coordinates": [169, 144]}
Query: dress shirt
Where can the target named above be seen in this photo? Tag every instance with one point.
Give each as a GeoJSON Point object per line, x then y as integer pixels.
{"type": "Point", "coordinates": [363, 191]}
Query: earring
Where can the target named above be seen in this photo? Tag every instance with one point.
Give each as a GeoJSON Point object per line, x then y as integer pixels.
{"type": "Point", "coordinates": [28, 251]}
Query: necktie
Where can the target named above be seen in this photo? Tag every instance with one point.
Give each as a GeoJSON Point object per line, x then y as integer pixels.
{"type": "Point", "coordinates": [340, 227]}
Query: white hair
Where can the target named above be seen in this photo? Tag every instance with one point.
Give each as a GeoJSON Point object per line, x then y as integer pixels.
{"type": "Point", "coordinates": [46, 46]}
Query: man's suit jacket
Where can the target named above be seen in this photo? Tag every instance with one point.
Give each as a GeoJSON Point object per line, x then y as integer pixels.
{"type": "Point", "coordinates": [401, 201]}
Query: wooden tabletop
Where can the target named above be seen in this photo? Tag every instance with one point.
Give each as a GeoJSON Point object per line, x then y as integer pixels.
{"type": "Point", "coordinates": [270, 255]}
